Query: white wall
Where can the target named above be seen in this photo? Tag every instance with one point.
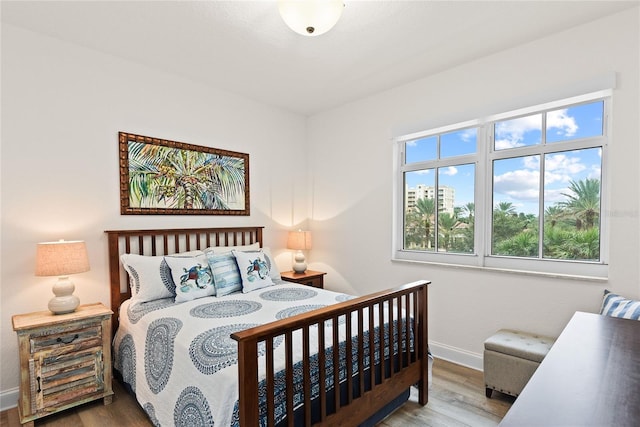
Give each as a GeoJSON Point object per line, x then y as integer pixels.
{"type": "Point", "coordinates": [62, 108]}
{"type": "Point", "coordinates": [350, 157]}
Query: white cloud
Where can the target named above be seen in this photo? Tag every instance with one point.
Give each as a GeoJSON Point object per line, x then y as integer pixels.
{"type": "Point", "coordinates": [468, 135]}
{"type": "Point", "coordinates": [554, 195]}
{"type": "Point", "coordinates": [562, 168]}
{"type": "Point", "coordinates": [565, 125]}
{"type": "Point", "coordinates": [520, 184]}
{"type": "Point", "coordinates": [451, 171]}
{"type": "Point", "coordinates": [531, 162]}
{"type": "Point", "coordinates": [510, 133]}
{"type": "Point", "coordinates": [562, 162]}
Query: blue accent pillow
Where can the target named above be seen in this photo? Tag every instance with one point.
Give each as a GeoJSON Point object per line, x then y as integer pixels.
{"type": "Point", "coordinates": [226, 276]}
{"type": "Point", "coordinates": [617, 306]}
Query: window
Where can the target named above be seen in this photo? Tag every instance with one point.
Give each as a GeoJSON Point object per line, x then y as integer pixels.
{"type": "Point", "coordinates": [520, 190]}
{"type": "Point", "coordinates": [433, 221]}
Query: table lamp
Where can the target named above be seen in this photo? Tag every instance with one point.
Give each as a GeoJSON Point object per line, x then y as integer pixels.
{"type": "Point", "coordinates": [61, 259]}
{"type": "Point", "coordinates": [300, 241]}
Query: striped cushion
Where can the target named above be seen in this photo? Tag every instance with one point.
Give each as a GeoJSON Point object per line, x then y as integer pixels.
{"type": "Point", "coordinates": [226, 276]}
{"type": "Point", "coordinates": [617, 306]}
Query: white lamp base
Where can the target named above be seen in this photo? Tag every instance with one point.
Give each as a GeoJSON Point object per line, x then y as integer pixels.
{"type": "Point", "coordinates": [300, 265]}
{"type": "Point", "coordinates": [64, 300]}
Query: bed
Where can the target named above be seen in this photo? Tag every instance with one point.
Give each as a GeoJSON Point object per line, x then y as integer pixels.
{"type": "Point", "coordinates": [279, 355]}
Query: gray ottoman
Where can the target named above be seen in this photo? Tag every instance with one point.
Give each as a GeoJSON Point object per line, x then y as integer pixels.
{"type": "Point", "coordinates": [510, 359]}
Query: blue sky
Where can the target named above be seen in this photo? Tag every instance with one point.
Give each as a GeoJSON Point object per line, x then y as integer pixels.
{"type": "Point", "coordinates": [516, 180]}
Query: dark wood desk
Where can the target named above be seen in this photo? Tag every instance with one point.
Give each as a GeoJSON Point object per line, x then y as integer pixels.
{"type": "Point", "coordinates": [590, 377]}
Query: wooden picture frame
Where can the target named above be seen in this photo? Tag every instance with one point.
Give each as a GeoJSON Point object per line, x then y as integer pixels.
{"type": "Point", "coordinates": [161, 177]}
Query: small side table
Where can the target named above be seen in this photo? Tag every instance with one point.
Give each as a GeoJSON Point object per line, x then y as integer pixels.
{"type": "Point", "coordinates": [65, 360]}
{"type": "Point", "coordinates": [309, 278]}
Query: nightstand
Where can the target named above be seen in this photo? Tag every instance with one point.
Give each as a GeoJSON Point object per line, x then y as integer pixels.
{"type": "Point", "coordinates": [65, 360]}
{"type": "Point", "coordinates": [309, 278]}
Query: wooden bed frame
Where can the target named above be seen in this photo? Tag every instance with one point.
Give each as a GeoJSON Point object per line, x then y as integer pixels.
{"type": "Point", "coordinates": [348, 404]}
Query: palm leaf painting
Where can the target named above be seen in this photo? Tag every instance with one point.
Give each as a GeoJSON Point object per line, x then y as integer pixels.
{"type": "Point", "coordinates": [166, 177]}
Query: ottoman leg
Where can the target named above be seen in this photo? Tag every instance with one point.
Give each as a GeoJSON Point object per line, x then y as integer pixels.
{"type": "Point", "coordinates": [488, 392]}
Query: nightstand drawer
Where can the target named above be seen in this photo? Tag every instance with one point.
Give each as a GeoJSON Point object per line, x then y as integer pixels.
{"type": "Point", "coordinates": [307, 278]}
{"type": "Point", "coordinates": [67, 339]}
{"type": "Point", "coordinates": [316, 282]}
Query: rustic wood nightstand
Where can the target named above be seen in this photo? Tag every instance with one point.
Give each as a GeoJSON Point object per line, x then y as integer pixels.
{"type": "Point", "coordinates": [309, 278]}
{"type": "Point", "coordinates": [65, 360]}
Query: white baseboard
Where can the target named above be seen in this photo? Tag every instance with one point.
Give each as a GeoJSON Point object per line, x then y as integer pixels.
{"type": "Point", "coordinates": [9, 398]}
{"type": "Point", "coordinates": [456, 355]}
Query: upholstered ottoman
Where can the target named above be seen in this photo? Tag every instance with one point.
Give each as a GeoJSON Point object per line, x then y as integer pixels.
{"type": "Point", "coordinates": [510, 359]}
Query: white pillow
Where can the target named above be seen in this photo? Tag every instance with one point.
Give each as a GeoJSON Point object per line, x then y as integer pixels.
{"type": "Point", "coordinates": [227, 249]}
{"type": "Point", "coordinates": [254, 270]}
{"type": "Point", "coordinates": [149, 277]}
{"type": "Point", "coordinates": [192, 277]}
{"type": "Point", "coordinates": [274, 273]}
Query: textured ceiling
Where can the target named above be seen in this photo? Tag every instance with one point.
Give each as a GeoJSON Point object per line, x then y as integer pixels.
{"type": "Point", "coordinates": [244, 46]}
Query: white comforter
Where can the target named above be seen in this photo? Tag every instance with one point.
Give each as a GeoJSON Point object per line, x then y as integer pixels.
{"type": "Point", "coordinates": [180, 360]}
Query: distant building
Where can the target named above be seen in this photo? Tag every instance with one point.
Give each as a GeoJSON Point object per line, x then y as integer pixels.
{"type": "Point", "coordinates": [446, 197]}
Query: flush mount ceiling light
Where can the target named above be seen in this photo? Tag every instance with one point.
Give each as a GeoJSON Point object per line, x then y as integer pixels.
{"type": "Point", "coordinates": [310, 17]}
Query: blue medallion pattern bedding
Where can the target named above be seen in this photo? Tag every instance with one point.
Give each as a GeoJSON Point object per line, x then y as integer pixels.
{"type": "Point", "coordinates": [181, 362]}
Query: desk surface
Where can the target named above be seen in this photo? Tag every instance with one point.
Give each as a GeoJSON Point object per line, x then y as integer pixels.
{"type": "Point", "coordinates": [590, 377]}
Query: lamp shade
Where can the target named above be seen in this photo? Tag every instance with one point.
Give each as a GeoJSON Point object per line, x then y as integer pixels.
{"type": "Point", "coordinates": [61, 258]}
{"type": "Point", "coordinates": [310, 17]}
{"type": "Point", "coordinates": [299, 240]}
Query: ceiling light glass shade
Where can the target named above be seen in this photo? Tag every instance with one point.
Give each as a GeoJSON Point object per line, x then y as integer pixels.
{"type": "Point", "coordinates": [310, 17]}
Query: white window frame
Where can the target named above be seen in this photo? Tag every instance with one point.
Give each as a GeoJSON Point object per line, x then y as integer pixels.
{"type": "Point", "coordinates": [482, 258]}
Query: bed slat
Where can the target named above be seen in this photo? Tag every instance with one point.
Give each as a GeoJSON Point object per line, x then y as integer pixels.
{"type": "Point", "coordinates": [270, 384]}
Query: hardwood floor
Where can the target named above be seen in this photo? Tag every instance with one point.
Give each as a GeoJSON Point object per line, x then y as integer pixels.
{"type": "Point", "coordinates": [456, 398]}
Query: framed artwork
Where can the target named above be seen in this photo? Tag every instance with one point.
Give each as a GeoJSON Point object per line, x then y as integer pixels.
{"type": "Point", "coordinates": [160, 177]}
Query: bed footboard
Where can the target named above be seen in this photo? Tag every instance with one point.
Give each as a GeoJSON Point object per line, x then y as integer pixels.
{"type": "Point", "coordinates": [386, 355]}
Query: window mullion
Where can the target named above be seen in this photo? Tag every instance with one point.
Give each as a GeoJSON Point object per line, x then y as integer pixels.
{"type": "Point", "coordinates": [482, 220]}
{"type": "Point", "coordinates": [436, 208]}
{"type": "Point", "coordinates": [541, 198]}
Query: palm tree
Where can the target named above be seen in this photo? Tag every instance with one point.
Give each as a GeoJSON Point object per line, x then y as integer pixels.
{"type": "Point", "coordinates": [446, 224]}
{"type": "Point", "coordinates": [506, 224]}
{"type": "Point", "coordinates": [426, 208]}
{"type": "Point", "coordinates": [583, 202]}
{"type": "Point", "coordinates": [586, 244]}
{"type": "Point", "coordinates": [470, 209]}
{"type": "Point", "coordinates": [553, 214]}
{"type": "Point", "coordinates": [524, 244]}
{"type": "Point", "coordinates": [183, 178]}
{"type": "Point", "coordinates": [506, 208]}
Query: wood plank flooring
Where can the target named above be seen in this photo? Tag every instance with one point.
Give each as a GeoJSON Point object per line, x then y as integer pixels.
{"type": "Point", "coordinates": [456, 399]}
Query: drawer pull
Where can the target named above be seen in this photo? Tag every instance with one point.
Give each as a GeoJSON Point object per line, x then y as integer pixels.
{"type": "Point", "coordinates": [75, 337]}
{"type": "Point", "coordinates": [39, 389]}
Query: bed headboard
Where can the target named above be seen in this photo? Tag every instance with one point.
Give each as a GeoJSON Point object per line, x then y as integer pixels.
{"type": "Point", "coordinates": [165, 242]}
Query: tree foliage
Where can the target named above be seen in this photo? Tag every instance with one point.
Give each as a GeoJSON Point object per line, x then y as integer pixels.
{"type": "Point", "coordinates": [183, 178]}
{"type": "Point", "coordinates": [571, 227]}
